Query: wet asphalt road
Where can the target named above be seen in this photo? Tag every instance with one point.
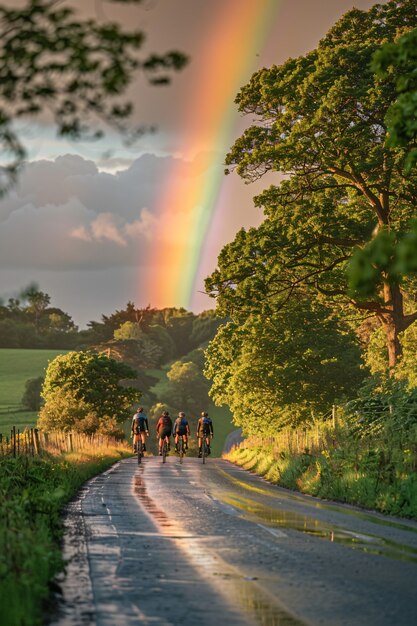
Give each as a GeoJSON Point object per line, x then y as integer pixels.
{"type": "Point", "coordinates": [211, 544]}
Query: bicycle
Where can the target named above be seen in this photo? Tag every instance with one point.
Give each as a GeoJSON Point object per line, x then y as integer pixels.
{"type": "Point", "coordinates": [164, 450]}
{"type": "Point", "coordinates": [181, 448]}
{"type": "Point", "coordinates": [204, 449]}
{"type": "Point", "coordinates": [139, 449]}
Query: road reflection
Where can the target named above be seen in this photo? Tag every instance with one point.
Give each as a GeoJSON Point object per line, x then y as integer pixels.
{"type": "Point", "coordinates": [241, 591]}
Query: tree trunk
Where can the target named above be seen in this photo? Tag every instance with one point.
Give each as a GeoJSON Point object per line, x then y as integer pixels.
{"type": "Point", "coordinates": [393, 322]}
{"type": "Point", "coordinates": [393, 343]}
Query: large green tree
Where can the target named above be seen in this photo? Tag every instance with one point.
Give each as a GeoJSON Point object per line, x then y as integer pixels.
{"type": "Point", "coordinates": [320, 120]}
{"type": "Point", "coordinates": [85, 391]}
{"type": "Point", "coordinates": [284, 368]}
{"type": "Point", "coordinates": [75, 70]}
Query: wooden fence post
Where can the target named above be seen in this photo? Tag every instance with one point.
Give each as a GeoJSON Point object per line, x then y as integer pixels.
{"type": "Point", "coordinates": [36, 441]}
{"type": "Point", "coordinates": [13, 438]}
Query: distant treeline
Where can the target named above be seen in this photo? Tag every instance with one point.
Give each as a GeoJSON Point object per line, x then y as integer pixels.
{"type": "Point", "coordinates": [163, 334]}
{"type": "Point", "coordinates": [163, 347]}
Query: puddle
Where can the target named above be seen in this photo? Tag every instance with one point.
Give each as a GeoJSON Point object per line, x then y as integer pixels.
{"type": "Point", "coordinates": [280, 518]}
{"type": "Point", "coordinates": [241, 591]}
{"type": "Point", "coordinates": [321, 504]}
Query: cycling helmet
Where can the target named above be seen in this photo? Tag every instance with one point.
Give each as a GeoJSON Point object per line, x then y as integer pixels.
{"type": "Point", "coordinates": [140, 409]}
{"type": "Point", "coordinates": [181, 414]}
{"type": "Point", "coordinates": [204, 414]}
{"type": "Point", "coordinates": [165, 413]}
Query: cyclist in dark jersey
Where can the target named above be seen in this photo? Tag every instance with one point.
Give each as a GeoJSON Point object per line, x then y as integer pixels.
{"type": "Point", "coordinates": [204, 429]}
{"type": "Point", "coordinates": [164, 429]}
{"type": "Point", "coordinates": [140, 428]}
{"type": "Point", "coordinates": [181, 429]}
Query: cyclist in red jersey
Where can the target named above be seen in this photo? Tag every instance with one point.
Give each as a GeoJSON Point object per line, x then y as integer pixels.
{"type": "Point", "coordinates": [164, 429]}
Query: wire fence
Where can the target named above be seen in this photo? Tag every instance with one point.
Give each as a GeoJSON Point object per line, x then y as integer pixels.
{"type": "Point", "coordinates": [366, 430]}
{"type": "Point", "coordinates": [32, 442]}
{"type": "Point", "coordinates": [300, 440]}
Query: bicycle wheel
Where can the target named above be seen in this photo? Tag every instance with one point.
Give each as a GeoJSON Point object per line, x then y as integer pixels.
{"type": "Point", "coordinates": [140, 450]}
{"type": "Point", "coordinates": [164, 451]}
{"type": "Point", "coordinates": [204, 450]}
{"type": "Point", "coordinates": [181, 449]}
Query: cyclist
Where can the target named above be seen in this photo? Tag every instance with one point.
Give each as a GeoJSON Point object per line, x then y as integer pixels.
{"type": "Point", "coordinates": [181, 429]}
{"type": "Point", "coordinates": [140, 428]}
{"type": "Point", "coordinates": [164, 430]}
{"type": "Point", "coordinates": [204, 429]}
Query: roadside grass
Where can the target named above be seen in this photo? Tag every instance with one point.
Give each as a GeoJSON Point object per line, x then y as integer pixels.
{"type": "Point", "coordinates": [348, 473]}
{"type": "Point", "coordinates": [33, 492]}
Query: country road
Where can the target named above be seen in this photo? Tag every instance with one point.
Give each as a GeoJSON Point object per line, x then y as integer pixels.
{"type": "Point", "coordinates": [211, 544]}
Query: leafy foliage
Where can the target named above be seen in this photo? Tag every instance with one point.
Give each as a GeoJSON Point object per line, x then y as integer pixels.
{"type": "Point", "coordinates": [384, 404]}
{"type": "Point", "coordinates": [29, 322]}
{"type": "Point", "coordinates": [32, 397]}
{"type": "Point", "coordinates": [83, 391]}
{"type": "Point", "coordinates": [75, 69]}
{"type": "Point", "coordinates": [400, 58]}
{"type": "Point", "coordinates": [283, 369]}
{"type": "Point", "coordinates": [187, 389]}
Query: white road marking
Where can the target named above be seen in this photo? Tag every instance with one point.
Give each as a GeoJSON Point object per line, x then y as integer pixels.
{"type": "Point", "coordinates": [273, 531]}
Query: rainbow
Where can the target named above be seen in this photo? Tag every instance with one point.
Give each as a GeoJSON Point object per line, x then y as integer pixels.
{"type": "Point", "coordinates": [189, 198]}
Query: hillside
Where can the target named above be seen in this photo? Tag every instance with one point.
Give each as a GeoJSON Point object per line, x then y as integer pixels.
{"type": "Point", "coordinates": [16, 367]}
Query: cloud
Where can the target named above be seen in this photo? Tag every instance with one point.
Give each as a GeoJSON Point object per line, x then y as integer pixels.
{"type": "Point", "coordinates": [142, 227]}
{"type": "Point", "coordinates": [66, 214]}
{"type": "Point", "coordinates": [104, 227]}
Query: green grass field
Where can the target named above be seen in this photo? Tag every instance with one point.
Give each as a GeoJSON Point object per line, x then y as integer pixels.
{"type": "Point", "coordinates": [16, 367]}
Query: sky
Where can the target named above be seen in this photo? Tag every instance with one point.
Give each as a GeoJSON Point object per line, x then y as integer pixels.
{"type": "Point", "coordinates": [96, 225]}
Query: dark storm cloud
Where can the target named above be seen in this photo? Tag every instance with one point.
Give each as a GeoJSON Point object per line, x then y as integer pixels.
{"type": "Point", "coordinates": [66, 214]}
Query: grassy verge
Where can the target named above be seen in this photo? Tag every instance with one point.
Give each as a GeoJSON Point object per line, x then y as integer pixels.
{"type": "Point", "coordinates": [371, 477]}
{"type": "Point", "coordinates": [33, 491]}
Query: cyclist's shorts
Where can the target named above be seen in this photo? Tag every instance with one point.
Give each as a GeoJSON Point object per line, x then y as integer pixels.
{"type": "Point", "coordinates": [181, 431]}
{"type": "Point", "coordinates": [165, 432]}
{"type": "Point", "coordinates": [141, 427]}
{"type": "Point", "coordinates": [204, 432]}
